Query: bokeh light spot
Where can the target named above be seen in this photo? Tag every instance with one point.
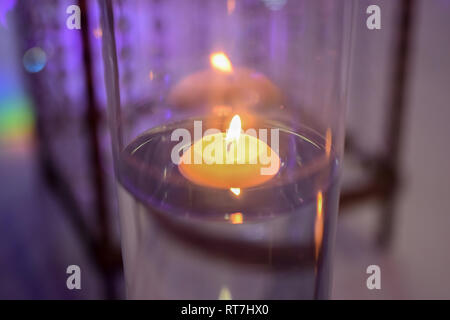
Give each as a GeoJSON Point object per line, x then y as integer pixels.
{"type": "Point", "coordinates": [16, 120]}
{"type": "Point", "coordinates": [34, 60]}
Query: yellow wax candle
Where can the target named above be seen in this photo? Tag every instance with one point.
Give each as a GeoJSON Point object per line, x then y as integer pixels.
{"type": "Point", "coordinates": [231, 160]}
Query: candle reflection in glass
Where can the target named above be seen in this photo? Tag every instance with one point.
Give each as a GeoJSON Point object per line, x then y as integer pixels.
{"type": "Point", "coordinates": [223, 85]}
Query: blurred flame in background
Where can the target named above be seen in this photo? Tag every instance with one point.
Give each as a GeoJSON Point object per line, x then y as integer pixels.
{"type": "Point", "coordinates": [220, 61]}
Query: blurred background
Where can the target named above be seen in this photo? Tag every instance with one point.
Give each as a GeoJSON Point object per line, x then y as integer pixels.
{"type": "Point", "coordinates": [57, 199]}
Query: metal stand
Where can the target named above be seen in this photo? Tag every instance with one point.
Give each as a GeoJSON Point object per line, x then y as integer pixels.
{"type": "Point", "coordinates": [384, 170]}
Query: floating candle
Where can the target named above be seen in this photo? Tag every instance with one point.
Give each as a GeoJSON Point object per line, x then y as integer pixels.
{"type": "Point", "coordinates": [231, 160]}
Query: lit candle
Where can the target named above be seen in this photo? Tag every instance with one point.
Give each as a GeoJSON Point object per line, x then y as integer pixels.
{"type": "Point", "coordinates": [231, 160]}
{"type": "Point", "coordinates": [222, 85]}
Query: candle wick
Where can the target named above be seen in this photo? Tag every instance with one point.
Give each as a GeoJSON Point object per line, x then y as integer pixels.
{"type": "Point", "coordinates": [229, 145]}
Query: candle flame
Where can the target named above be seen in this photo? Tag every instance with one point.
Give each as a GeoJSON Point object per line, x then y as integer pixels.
{"type": "Point", "coordinates": [234, 131]}
{"type": "Point", "coordinates": [220, 61]}
{"type": "Point", "coordinates": [236, 218]}
{"type": "Point", "coordinates": [236, 191]}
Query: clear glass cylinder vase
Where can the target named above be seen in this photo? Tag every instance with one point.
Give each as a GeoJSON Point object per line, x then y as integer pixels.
{"type": "Point", "coordinates": [227, 127]}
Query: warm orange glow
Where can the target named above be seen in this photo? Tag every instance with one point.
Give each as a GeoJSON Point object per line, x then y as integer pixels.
{"type": "Point", "coordinates": [229, 160]}
{"type": "Point", "coordinates": [318, 227]}
{"type": "Point", "coordinates": [151, 75]}
{"type": "Point", "coordinates": [328, 142]}
{"type": "Point", "coordinates": [222, 110]}
{"type": "Point", "coordinates": [236, 191]}
{"type": "Point", "coordinates": [220, 61]}
{"type": "Point", "coordinates": [319, 203]}
{"type": "Point", "coordinates": [231, 5]}
{"type": "Point", "coordinates": [98, 32]}
{"type": "Point", "coordinates": [236, 218]}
